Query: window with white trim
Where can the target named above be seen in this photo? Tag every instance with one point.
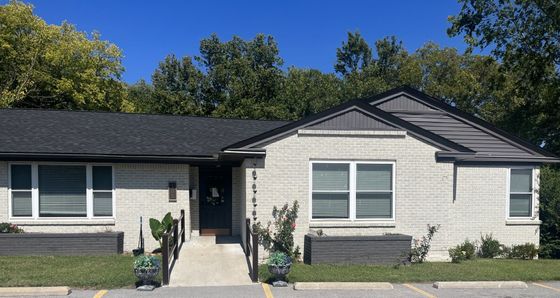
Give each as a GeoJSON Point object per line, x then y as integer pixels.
{"type": "Point", "coordinates": [61, 191]}
{"type": "Point", "coordinates": [352, 190]}
{"type": "Point", "coordinates": [520, 193]}
{"type": "Point", "coordinates": [21, 191]}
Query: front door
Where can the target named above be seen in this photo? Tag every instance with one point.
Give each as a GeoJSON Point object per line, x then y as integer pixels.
{"type": "Point", "coordinates": [215, 200]}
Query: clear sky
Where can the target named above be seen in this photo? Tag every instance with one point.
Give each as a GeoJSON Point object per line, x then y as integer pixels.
{"type": "Point", "coordinates": [308, 32]}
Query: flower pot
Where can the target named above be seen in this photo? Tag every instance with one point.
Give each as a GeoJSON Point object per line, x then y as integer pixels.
{"type": "Point", "coordinates": [146, 275]}
{"type": "Point", "coordinates": [280, 273]}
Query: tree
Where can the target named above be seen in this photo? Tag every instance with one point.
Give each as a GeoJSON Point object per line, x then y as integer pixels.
{"type": "Point", "coordinates": [525, 37]}
{"type": "Point", "coordinates": [308, 91]}
{"type": "Point", "coordinates": [354, 55]}
{"type": "Point", "coordinates": [178, 88]}
{"type": "Point", "coordinates": [243, 78]}
{"type": "Point", "coordinates": [50, 66]}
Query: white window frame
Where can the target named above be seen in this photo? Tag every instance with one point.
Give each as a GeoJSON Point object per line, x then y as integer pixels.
{"type": "Point", "coordinates": [509, 193]}
{"type": "Point", "coordinates": [352, 190]}
{"type": "Point", "coordinates": [35, 192]}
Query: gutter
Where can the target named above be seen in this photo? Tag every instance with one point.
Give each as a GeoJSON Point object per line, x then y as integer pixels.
{"type": "Point", "coordinates": [472, 157]}
{"type": "Point", "coordinates": [105, 157]}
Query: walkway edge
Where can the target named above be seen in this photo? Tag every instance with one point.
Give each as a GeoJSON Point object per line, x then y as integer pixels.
{"type": "Point", "coordinates": [35, 291]}
{"type": "Point", "coordinates": [480, 285]}
{"type": "Point", "coordinates": [342, 286]}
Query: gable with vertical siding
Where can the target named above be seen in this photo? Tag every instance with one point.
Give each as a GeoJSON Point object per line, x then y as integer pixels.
{"type": "Point", "coordinates": [404, 102]}
{"type": "Point", "coordinates": [352, 120]}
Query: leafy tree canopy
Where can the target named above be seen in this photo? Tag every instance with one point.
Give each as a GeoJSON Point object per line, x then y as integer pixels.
{"type": "Point", "coordinates": [55, 66]}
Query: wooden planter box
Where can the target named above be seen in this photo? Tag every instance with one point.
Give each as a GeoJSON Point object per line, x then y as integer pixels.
{"type": "Point", "coordinates": [56, 244]}
{"type": "Point", "coordinates": [383, 249]}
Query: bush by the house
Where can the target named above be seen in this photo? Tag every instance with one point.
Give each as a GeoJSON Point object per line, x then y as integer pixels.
{"type": "Point", "coordinates": [527, 251]}
{"type": "Point", "coordinates": [489, 247]}
{"type": "Point", "coordinates": [282, 238]}
{"type": "Point", "coordinates": [421, 247]}
{"type": "Point", "coordinates": [462, 252]}
{"type": "Point", "coordinates": [7, 227]}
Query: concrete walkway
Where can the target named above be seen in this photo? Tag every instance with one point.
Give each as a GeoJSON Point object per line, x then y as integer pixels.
{"type": "Point", "coordinates": [211, 261]}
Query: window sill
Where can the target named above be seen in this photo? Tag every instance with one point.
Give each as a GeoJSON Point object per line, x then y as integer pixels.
{"type": "Point", "coordinates": [522, 222]}
{"type": "Point", "coordinates": [352, 224]}
{"type": "Point", "coordinates": [63, 222]}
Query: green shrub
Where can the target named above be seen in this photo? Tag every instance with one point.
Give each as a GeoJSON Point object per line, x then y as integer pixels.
{"type": "Point", "coordinates": [462, 252]}
{"type": "Point", "coordinates": [421, 247]}
{"type": "Point", "coordinates": [489, 247]}
{"type": "Point", "coordinates": [456, 254]}
{"type": "Point", "coordinates": [550, 249]}
{"type": "Point", "coordinates": [282, 238]}
{"type": "Point", "coordinates": [6, 227]}
{"type": "Point", "coordinates": [527, 251]}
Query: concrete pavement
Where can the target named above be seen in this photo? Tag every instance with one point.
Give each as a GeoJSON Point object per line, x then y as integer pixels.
{"type": "Point", "coordinates": [211, 261]}
{"type": "Point", "coordinates": [425, 290]}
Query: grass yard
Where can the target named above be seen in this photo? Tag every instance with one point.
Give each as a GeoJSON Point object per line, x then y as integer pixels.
{"type": "Point", "coordinates": [479, 269]}
{"type": "Point", "coordinates": [87, 272]}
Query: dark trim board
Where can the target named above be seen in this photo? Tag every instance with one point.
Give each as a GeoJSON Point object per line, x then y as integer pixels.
{"type": "Point", "coordinates": [61, 244]}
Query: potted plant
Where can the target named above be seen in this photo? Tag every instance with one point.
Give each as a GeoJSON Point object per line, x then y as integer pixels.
{"type": "Point", "coordinates": [146, 268]}
{"type": "Point", "coordinates": [279, 265]}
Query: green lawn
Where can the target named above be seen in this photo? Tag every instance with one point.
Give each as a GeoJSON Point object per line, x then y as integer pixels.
{"type": "Point", "coordinates": [87, 272]}
{"type": "Point", "coordinates": [480, 269]}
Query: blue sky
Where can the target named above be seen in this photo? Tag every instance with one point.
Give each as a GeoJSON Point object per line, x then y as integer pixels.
{"type": "Point", "coordinates": [308, 32]}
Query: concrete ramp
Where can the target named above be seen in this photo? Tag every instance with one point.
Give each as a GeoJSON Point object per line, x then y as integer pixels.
{"type": "Point", "coordinates": [211, 261]}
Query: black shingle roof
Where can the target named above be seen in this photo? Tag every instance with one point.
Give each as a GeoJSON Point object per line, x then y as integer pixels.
{"type": "Point", "coordinates": [103, 133]}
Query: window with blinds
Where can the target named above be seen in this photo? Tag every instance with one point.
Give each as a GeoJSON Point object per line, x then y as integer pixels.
{"type": "Point", "coordinates": [374, 190]}
{"type": "Point", "coordinates": [102, 190]}
{"type": "Point", "coordinates": [21, 190]}
{"type": "Point", "coordinates": [352, 190]}
{"type": "Point", "coordinates": [521, 193]}
{"type": "Point", "coordinates": [62, 191]}
{"type": "Point", "coordinates": [331, 190]}
{"type": "Point", "coordinates": [54, 190]}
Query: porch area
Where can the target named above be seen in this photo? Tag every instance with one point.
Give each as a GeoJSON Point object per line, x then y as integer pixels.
{"type": "Point", "coordinates": [211, 261]}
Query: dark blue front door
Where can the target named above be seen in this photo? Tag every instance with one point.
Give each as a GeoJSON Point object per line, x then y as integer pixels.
{"type": "Point", "coordinates": [215, 200]}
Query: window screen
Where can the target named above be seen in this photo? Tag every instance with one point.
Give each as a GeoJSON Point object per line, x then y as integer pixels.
{"type": "Point", "coordinates": [20, 176]}
{"type": "Point", "coordinates": [331, 188]}
{"type": "Point", "coordinates": [374, 193]}
{"type": "Point", "coordinates": [102, 190]}
{"type": "Point", "coordinates": [62, 191]}
{"type": "Point", "coordinates": [521, 193]}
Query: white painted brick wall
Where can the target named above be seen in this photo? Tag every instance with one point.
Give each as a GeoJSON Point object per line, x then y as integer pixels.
{"type": "Point", "coordinates": [194, 204]}
{"type": "Point", "coordinates": [423, 188]}
{"type": "Point", "coordinates": [141, 190]}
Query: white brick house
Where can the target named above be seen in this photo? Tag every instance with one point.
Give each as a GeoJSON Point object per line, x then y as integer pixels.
{"type": "Point", "coordinates": [390, 164]}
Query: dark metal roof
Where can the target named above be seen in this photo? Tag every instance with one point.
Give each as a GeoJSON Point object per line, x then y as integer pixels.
{"type": "Point", "coordinates": [462, 133]}
{"type": "Point", "coordinates": [348, 107]}
{"type": "Point", "coordinates": [431, 114]}
{"type": "Point", "coordinates": [120, 135]}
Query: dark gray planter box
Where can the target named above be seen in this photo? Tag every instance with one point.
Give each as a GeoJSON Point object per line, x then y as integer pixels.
{"type": "Point", "coordinates": [383, 249]}
{"type": "Point", "coordinates": [65, 244]}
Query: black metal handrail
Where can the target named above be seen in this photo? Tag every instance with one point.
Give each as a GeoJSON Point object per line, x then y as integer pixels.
{"type": "Point", "coordinates": [170, 254]}
{"type": "Point", "coordinates": [252, 249]}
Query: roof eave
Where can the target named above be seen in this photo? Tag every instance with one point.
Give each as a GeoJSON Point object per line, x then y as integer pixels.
{"type": "Point", "coordinates": [461, 157]}
{"type": "Point", "coordinates": [75, 157]}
